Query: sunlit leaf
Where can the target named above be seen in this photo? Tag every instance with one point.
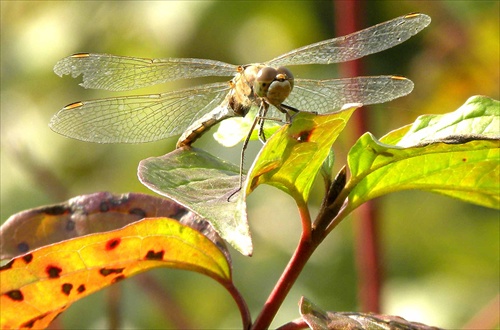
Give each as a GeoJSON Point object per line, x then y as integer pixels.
{"type": "Point", "coordinates": [88, 214]}
{"type": "Point", "coordinates": [317, 319]}
{"type": "Point", "coordinates": [35, 287]}
{"type": "Point", "coordinates": [293, 156]}
{"type": "Point", "coordinates": [456, 154]}
{"type": "Point", "coordinates": [204, 184]}
{"type": "Point", "coordinates": [478, 117]}
{"type": "Point", "coordinates": [234, 130]}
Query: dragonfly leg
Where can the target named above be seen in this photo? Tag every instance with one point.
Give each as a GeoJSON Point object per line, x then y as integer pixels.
{"type": "Point", "coordinates": [256, 120]}
{"type": "Point", "coordinates": [261, 117]}
{"type": "Point", "coordinates": [291, 112]}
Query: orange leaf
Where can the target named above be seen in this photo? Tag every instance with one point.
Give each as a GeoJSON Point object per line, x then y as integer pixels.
{"type": "Point", "coordinates": [37, 286]}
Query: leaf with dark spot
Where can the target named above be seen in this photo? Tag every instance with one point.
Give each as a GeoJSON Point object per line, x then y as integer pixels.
{"type": "Point", "coordinates": [152, 255]}
{"type": "Point", "coordinates": [16, 295]}
{"type": "Point", "coordinates": [170, 243]}
{"type": "Point", "coordinates": [112, 243]}
{"type": "Point", "coordinates": [66, 288]}
{"type": "Point", "coordinates": [109, 271]}
{"type": "Point", "coordinates": [292, 157]}
{"type": "Point", "coordinates": [84, 215]}
{"type": "Point", "coordinates": [27, 258]}
{"type": "Point", "coordinates": [53, 271]}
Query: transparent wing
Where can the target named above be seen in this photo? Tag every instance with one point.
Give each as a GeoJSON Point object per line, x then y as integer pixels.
{"type": "Point", "coordinates": [119, 73]}
{"type": "Point", "coordinates": [368, 41]}
{"type": "Point", "coordinates": [323, 96]}
{"type": "Point", "coordinates": [134, 119]}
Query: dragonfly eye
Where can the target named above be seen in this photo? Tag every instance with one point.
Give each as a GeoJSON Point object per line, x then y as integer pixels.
{"type": "Point", "coordinates": [267, 74]}
{"type": "Point", "coordinates": [273, 84]}
{"type": "Point", "coordinates": [263, 80]}
{"type": "Point", "coordinates": [287, 73]}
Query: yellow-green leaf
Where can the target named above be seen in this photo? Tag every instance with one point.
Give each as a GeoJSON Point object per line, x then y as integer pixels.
{"type": "Point", "coordinates": [234, 130]}
{"type": "Point", "coordinates": [455, 154]}
{"type": "Point", "coordinates": [293, 156]}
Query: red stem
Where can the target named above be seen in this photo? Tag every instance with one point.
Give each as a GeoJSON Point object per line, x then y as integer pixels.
{"type": "Point", "coordinates": [349, 15]}
{"type": "Point", "coordinates": [242, 306]}
{"type": "Point", "coordinates": [292, 271]}
{"type": "Point", "coordinates": [294, 325]}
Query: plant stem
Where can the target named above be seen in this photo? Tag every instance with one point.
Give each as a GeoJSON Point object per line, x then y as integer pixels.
{"type": "Point", "coordinates": [294, 325]}
{"type": "Point", "coordinates": [242, 305]}
{"type": "Point", "coordinates": [302, 253]}
{"type": "Point", "coordinates": [305, 218]}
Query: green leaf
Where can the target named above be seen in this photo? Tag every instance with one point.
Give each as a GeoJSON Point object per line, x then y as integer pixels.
{"type": "Point", "coordinates": [478, 118]}
{"type": "Point", "coordinates": [37, 286]}
{"type": "Point", "coordinates": [455, 154]}
{"type": "Point", "coordinates": [204, 184]}
{"type": "Point", "coordinates": [234, 130]}
{"type": "Point", "coordinates": [317, 319]}
{"type": "Point", "coordinates": [293, 156]}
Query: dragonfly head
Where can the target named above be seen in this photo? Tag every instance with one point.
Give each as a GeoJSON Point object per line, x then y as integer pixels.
{"type": "Point", "coordinates": [273, 84]}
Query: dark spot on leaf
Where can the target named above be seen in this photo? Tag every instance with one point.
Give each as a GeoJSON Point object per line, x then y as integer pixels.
{"type": "Point", "coordinates": [55, 210]}
{"type": "Point", "coordinates": [81, 288]}
{"type": "Point", "coordinates": [16, 295]}
{"type": "Point", "coordinates": [23, 247]}
{"type": "Point", "coordinates": [70, 225]}
{"type": "Point", "coordinates": [53, 271]}
{"type": "Point", "coordinates": [464, 159]}
{"type": "Point", "coordinates": [7, 265]}
{"type": "Point", "coordinates": [66, 288]}
{"type": "Point", "coordinates": [109, 271]}
{"type": "Point", "coordinates": [152, 255]}
{"type": "Point", "coordinates": [118, 278]}
{"type": "Point", "coordinates": [139, 212]}
{"type": "Point", "coordinates": [303, 136]}
{"type": "Point", "coordinates": [27, 258]}
{"type": "Point", "coordinates": [31, 323]}
{"type": "Point", "coordinates": [104, 207]}
{"type": "Point", "coordinates": [113, 243]}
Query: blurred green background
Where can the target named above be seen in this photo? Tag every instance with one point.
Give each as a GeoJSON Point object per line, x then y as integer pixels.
{"type": "Point", "coordinates": [441, 257]}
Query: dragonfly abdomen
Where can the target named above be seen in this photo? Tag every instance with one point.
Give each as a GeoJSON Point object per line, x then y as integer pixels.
{"type": "Point", "coordinates": [199, 127]}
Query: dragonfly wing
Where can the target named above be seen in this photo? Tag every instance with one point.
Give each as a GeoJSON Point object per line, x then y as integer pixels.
{"type": "Point", "coordinates": [135, 119]}
{"type": "Point", "coordinates": [323, 96]}
{"type": "Point", "coordinates": [358, 44]}
{"type": "Point", "coordinates": [119, 73]}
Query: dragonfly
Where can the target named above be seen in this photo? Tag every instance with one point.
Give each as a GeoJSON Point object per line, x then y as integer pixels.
{"type": "Point", "coordinates": [192, 111]}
